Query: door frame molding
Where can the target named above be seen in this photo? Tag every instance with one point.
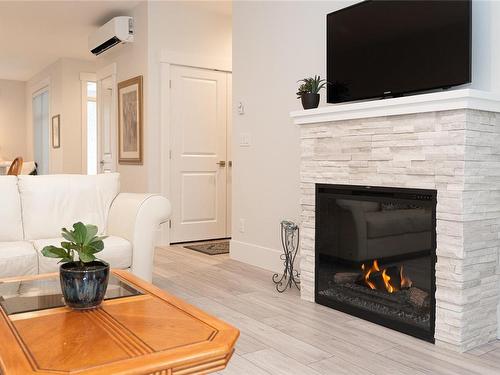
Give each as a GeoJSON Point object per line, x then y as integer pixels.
{"type": "Point", "coordinates": [167, 60]}
{"type": "Point", "coordinates": [109, 71]}
{"type": "Point", "coordinates": [43, 85]}
{"type": "Point", "coordinates": [84, 78]}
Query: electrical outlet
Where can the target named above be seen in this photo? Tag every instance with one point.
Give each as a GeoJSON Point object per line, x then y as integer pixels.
{"type": "Point", "coordinates": [242, 225]}
{"type": "Point", "coordinates": [245, 140]}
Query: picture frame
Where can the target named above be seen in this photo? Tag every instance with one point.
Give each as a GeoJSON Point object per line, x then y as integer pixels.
{"type": "Point", "coordinates": [56, 131]}
{"type": "Point", "coordinates": [130, 121]}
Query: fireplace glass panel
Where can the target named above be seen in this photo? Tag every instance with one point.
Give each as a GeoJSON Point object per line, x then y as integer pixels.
{"type": "Point", "coordinates": [375, 255]}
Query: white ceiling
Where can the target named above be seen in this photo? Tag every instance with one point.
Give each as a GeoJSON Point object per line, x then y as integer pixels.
{"type": "Point", "coordinates": [34, 34]}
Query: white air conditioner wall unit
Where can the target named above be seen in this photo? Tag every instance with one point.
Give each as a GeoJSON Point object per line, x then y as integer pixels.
{"type": "Point", "coordinates": [117, 30]}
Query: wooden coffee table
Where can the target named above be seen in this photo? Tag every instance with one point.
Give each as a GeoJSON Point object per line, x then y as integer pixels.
{"type": "Point", "coordinates": [139, 329]}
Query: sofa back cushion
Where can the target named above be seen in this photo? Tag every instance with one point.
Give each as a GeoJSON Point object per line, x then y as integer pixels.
{"type": "Point", "coordinates": [11, 225]}
{"type": "Point", "coordinates": [361, 206]}
{"type": "Point", "coordinates": [52, 202]}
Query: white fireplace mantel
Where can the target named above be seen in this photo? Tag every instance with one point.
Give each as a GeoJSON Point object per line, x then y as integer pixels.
{"type": "Point", "coordinates": [433, 102]}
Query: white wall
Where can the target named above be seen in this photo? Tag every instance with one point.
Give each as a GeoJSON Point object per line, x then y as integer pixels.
{"type": "Point", "coordinates": [71, 116]}
{"type": "Point", "coordinates": [12, 119]}
{"type": "Point", "coordinates": [274, 44]}
{"type": "Point", "coordinates": [63, 78]}
{"type": "Point", "coordinates": [486, 45]}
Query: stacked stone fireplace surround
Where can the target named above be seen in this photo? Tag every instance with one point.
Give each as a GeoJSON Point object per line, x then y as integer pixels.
{"type": "Point", "coordinates": [456, 152]}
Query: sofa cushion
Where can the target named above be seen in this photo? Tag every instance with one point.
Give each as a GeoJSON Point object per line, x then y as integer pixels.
{"type": "Point", "coordinates": [52, 202]}
{"type": "Point", "coordinates": [397, 222]}
{"type": "Point", "coordinates": [117, 252]}
{"type": "Point", "coordinates": [11, 227]}
{"type": "Point", "coordinates": [17, 258]}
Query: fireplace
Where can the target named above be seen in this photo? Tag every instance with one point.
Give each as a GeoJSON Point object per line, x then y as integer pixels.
{"type": "Point", "coordinates": [447, 142]}
{"type": "Point", "coordinates": [376, 253]}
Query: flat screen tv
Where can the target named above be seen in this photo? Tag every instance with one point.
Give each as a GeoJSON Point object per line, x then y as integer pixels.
{"type": "Point", "coordinates": [391, 48]}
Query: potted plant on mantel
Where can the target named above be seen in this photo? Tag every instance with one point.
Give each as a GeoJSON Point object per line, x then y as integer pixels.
{"type": "Point", "coordinates": [83, 282]}
{"type": "Point", "coordinates": [309, 91]}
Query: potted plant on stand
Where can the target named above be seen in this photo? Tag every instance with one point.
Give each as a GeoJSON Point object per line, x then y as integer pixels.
{"type": "Point", "coordinates": [83, 282]}
{"type": "Point", "coordinates": [309, 91]}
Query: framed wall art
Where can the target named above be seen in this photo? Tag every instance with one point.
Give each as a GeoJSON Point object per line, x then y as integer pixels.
{"type": "Point", "coordinates": [130, 117]}
{"type": "Point", "coordinates": [56, 131]}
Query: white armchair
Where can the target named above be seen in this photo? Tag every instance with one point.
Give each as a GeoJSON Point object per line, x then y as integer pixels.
{"type": "Point", "coordinates": [136, 217]}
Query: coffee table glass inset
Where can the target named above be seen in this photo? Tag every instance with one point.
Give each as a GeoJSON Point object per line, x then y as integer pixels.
{"type": "Point", "coordinates": [45, 293]}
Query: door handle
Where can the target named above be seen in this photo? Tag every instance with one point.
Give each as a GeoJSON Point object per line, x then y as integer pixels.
{"type": "Point", "coordinates": [222, 163]}
{"type": "Point", "coordinates": [101, 162]}
{"type": "Point", "coordinates": [230, 163]}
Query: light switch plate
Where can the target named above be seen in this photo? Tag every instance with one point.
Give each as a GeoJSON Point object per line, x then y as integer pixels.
{"type": "Point", "coordinates": [241, 108]}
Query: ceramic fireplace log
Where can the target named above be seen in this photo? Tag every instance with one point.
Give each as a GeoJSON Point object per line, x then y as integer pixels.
{"type": "Point", "coordinates": [418, 297]}
{"type": "Point", "coordinates": [393, 300]}
{"type": "Point", "coordinates": [392, 272]}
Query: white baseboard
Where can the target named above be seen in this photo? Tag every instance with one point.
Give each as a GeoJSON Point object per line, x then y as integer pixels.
{"type": "Point", "coordinates": [259, 256]}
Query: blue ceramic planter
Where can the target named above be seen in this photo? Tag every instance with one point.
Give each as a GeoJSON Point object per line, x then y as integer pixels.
{"type": "Point", "coordinates": [84, 287]}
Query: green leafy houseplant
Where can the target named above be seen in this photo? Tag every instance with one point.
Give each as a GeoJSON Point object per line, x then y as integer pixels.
{"type": "Point", "coordinates": [84, 281]}
{"type": "Point", "coordinates": [310, 86]}
{"type": "Point", "coordinates": [82, 240]}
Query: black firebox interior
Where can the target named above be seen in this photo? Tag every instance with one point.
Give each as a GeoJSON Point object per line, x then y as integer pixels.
{"type": "Point", "coordinates": [376, 253]}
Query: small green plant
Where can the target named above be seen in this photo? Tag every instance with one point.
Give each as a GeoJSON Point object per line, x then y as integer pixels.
{"type": "Point", "coordinates": [310, 86]}
{"type": "Point", "coordinates": [82, 240]}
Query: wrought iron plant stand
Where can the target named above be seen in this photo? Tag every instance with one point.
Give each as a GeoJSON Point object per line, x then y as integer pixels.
{"type": "Point", "coordinates": [290, 240]}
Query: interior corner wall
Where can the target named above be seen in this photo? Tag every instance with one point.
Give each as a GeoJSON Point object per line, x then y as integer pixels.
{"type": "Point", "coordinates": [65, 99]}
{"type": "Point", "coordinates": [275, 44]}
{"type": "Point", "coordinates": [12, 119]}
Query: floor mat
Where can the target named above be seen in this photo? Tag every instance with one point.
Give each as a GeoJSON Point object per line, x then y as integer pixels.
{"type": "Point", "coordinates": [211, 248]}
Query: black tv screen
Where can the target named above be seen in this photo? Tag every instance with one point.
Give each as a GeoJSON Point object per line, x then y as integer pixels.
{"type": "Point", "coordinates": [390, 48]}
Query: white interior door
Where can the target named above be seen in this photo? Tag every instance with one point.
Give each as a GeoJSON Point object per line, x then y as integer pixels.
{"type": "Point", "coordinates": [198, 118]}
{"type": "Point", "coordinates": [106, 119]}
{"type": "Point", "coordinates": [41, 130]}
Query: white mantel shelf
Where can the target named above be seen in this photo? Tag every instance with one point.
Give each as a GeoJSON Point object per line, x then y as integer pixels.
{"type": "Point", "coordinates": [433, 102]}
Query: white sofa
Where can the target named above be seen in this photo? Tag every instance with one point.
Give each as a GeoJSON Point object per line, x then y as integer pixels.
{"type": "Point", "coordinates": [371, 232]}
{"type": "Point", "coordinates": [33, 209]}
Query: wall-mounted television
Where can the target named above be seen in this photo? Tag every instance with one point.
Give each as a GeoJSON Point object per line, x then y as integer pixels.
{"type": "Point", "coordinates": [379, 48]}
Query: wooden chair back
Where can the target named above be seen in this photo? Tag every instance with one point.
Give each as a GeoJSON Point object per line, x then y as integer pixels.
{"type": "Point", "coordinates": [16, 167]}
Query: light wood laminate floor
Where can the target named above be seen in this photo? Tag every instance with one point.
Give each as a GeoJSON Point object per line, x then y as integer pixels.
{"type": "Point", "coordinates": [282, 334]}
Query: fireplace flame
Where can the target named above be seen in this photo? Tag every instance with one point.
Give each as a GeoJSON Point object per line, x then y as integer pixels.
{"type": "Point", "coordinates": [366, 275]}
{"type": "Point", "coordinates": [405, 281]}
{"type": "Point", "coordinates": [385, 281]}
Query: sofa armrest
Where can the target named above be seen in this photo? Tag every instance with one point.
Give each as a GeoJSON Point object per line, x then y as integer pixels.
{"type": "Point", "coordinates": [136, 218]}
{"type": "Point", "coordinates": [357, 211]}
